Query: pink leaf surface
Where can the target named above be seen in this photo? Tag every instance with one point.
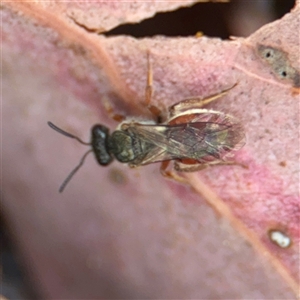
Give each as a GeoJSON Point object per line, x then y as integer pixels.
{"type": "Point", "coordinates": [129, 233]}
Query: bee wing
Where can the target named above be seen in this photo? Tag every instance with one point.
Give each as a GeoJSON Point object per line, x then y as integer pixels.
{"type": "Point", "coordinates": [156, 154]}
{"type": "Point", "coordinates": [208, 135]}
{"type": "Point", "coordinates": [173, 139]}
{"type": "Point", "coordinates": [156, 135]}
{"type": "Point", "coordinates": [205, 137]}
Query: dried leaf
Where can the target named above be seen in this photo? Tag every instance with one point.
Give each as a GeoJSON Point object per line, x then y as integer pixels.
{"type": "Point", "coordinates": [123, 233]}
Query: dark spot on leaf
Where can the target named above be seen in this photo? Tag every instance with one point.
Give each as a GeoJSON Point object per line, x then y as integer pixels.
{"type": "Point", "coordinates": [282, 164]}
{"type": "Point", "coordinates": [78, 49]}
{"type": "Point", "coordinates": [117, 176]}
{"type": "Point", "coordinates": [268, 54]}
{"type": "Point", "coordinates": [279, 63]}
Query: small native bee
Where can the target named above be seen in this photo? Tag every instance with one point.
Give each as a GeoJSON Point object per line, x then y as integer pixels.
{"type": "Point", "coordinates": [190, 136]}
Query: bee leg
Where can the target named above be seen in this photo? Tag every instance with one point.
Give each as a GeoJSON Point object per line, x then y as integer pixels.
{"type": "Point", "coordinates": [110, 111]}
{"type": "Point", "coordinates": [196, 102]}
{"type": "Point", "coordinates": [171, 174]}
{"type": "Point", "coordinates": [189, 168]}
{"type": "Point", "coordinates": [198, 167]}
{"type": "Point", "coordinates": [154, 110]}
{"type": "Point", "coordinates": [149, 89]}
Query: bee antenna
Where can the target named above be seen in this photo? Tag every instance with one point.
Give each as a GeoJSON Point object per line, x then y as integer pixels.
{"type": "Point", "coordinates": [59, 130]}
{"type": "Point", "coordinates": [69, 177]}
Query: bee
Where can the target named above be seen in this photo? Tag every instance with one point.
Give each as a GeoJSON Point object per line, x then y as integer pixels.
{"type": "Point", "coordinates": [190, 136]}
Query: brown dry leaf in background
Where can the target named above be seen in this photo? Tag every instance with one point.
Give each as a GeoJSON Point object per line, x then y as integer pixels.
{"type": "Point", "coordinates": [122, 233]}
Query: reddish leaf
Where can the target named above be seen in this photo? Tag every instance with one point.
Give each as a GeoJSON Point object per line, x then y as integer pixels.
{"type": "Point", "coordinates": [123, 233]}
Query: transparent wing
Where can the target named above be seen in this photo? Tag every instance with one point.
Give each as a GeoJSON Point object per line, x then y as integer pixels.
{"type": "Point", "coordinates": [207, 136]}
